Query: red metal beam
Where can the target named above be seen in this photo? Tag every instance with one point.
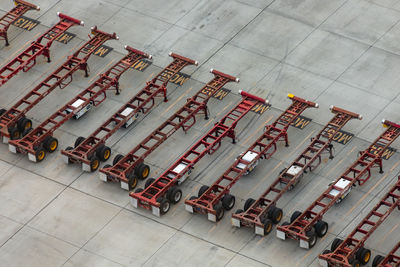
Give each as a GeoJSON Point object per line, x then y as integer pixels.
{"type": "Point", "coordinates": [27, 59]}
{"type": "Point", "coordinates": [40, 140]}
{"type": "Point", "coordinates": [263, 213]}
{"type": "Point", "coordinates": [21, 7]}
{"type": "Point", "coordinates": [263, 148]}
{"type": "Point", "coordinates": [13, 123]}
{"type": "Point", "coordinates": [303, 223]}
{"type": "Point", "coordinates": [158, 195]}
{"type": "Point", "coordinates": [85, 152]}
{"type": "Point", "coordinates": [133, 163]}
{"type": "Point", "coordinates": [351, 251]}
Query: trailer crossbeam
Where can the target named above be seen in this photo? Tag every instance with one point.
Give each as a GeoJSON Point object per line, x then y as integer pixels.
{"type": "Point", "coordinates": [13, 123]}
{"type": "Point", "coordinates": [263, 212]}
{"type": "Point", "coordinates": [263, 148]}
{"type": "Point", "coordinates": [303, 223]}
{"type": "Point", "coordinates": [27, 59]}
{"type": "Point", "coordinates": [131, 165]}
{"type": "Point", "coordinates": [352, 248]}
{"type": "Point", "coordinates": [158, 195]}
{"type": "Point", "coordinates": [41, 139]}
{"type": "Point", "coordinates": [141, 103]}
{"type": "Point", "coordinates": [21, 7]}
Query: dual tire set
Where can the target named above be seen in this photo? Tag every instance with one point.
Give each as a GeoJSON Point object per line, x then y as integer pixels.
{"type": "Point", "coordinates": [361, 257]}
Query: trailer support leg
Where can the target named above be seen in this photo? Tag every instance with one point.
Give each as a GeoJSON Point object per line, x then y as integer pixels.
{"type": "Point", "coordinates": [330, 147]}
{"type": "Point", "coordinates": [286, 140]}
{"type": "Point", "coordinates": [380, 166]}
{"type": "Point", "coordinates": [165, 94]}
{"type": "Point", "coordinates": [206, 112]}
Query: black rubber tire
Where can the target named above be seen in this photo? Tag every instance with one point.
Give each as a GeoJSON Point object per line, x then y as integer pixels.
{"type": "Point", "coordinates": [69, 148]}
{"type": "Point", "coordinates": [15, 133]}
{"type": "Point", "coordinates": [268, 226]}
{"type": "Point", "coordinates": [132, 181]}
{"type": "Point", "coordinates": [50, 144]}
{"type": "Point", "coordinates": [94, 164]}
{"type": "Point", "coordinates": [24, 123]}
{"type": "Point", "coordinates": [219, 212]}
{"type": "Point", "coordinates": [326, 251]}
{"type": "Point", "coordinates": [363, 255]}
{"type": "Point", "coordinates": [276, 215]}
{"type": "Point", "coordinates": [202, 189]}
{"type": "Point", "coordinates": [138, 190]}
{"type": "Point", "coordinates": [149, 182]}
{"type": "Point", "coordinates": [117, 158]}
{"type": "Point", "coordinates": [103, 153]}
{"type": "Point", "coordinates": [295, 215]}
{"type": "Point", "coordinates": [193, 198]}
{"type": "Point", "coordinates": [248, 203]}
{"type": "Point", "coordinates": [142, 171]}
{"type": "Point", "coordinates": [377, 259]}
{"type": "Point", "coordinates": [285, 223]}
{"type": "Point", "coordinates": [312, 238]}
{"type": "Point", "coordinates": [78, 141]}
{"type": "Point", "coordinates": [40, 154]}
{"type": "Point", "coordinates": [27, 131]}
{"type": "Point", "coordinates": [164, 205]}
{"type": "Point", "coordinates": [174, 194]}
{"type": "Point", "coordinates": [356, 263]}
{"type": "Point", "coordinates": [238, 211]}
{"type": "Point", "coordinates": [228, 201]}
{"type": "Point", "coordinates": [336, 243]}
{"type": "Point", "coordinates": [321, 228]}
{"type": "Point", "coordinates": [2, 111]}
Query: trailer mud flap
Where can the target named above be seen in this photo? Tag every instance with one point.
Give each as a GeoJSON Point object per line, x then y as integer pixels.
{"type": "Point", "coordinates": [259, 230]}
{"type": "Point", "coordinates": [5, 139]}
{"type": "Point", "coordinates": [124, 186]}
{"type": "Point", "coordinates": [211, 217]}
{"type": "Point", "coordinates": [280, 235]}
{"type": "Point", "coordinates": [32, 157]}
{"type": "Point", "coordinates": [12, 149]}
{"type": "Point", "coordinates": [102, 176]}
{"type": "Point", "coordinates": [86, 168]}
{"type": "Point", "coordinates": [134, 202]}
{"type": "Point", "coordinates": [304, 244]}
{"type": "Point", "coordinates": [155, 211]}
{"type": "Point", "coordinates": [65, 158]}
{"type": "Point", "coordinates": [235, 222]}
{"type": "Point", "coordinates": [323, 263]}
{"type": "Point", "coordinates": [189, 208]}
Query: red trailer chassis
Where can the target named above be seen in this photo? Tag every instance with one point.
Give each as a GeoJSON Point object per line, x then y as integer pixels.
{"type": "Point", "coordinates": [41, 139]}
{"type": "Point", "coordinates": [391, 260]}
{"type": "Point", "coordinates": [13, 123]}
{"type": "Point", "coordinates": [21, 7]}
{"type": "Point", "coordinates": [27, 59]}
{"type": "Point", "coordinates": [158, 195]}
{"type": "Point", "coordinates": [128, 169]}
{"type": "Point", "coordinates": [351, 251]}
{"type": "Point", "coordinates": [306, 226]}
{"type": "Point", "coordinates": [85, 150]}
{"type": "Point", "coordinates": [263, 148]}
{"type": "Point", "coordinates": [263, 213]}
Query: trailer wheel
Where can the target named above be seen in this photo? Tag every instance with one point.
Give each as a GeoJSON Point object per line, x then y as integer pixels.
{"type": "Point", "coordinates": [312, 238]}
{"type": "Point", "coordinates": [356, 263]}
{"type": "Point", "coordinates": [174, 194]}
{"type": "Point", "coordinates": [228, 201]}
{"type": "Point", "coordinates": [363, 255]}
{"type": "Point", "coordinates": [326, 251]}
{"type": "Point", "coordinates": [238, 211]}
{"type": "Point", "coordinates": [139, 190]}
{"type": "Point", "coordinates": [149, 182]}
{"type": "Point", "coordinates": [14, 133]}
{"type": "Point", "coordinates": [103, 152]}
{"type": "Point", "coordinates": [94, 163]}
{"type": "Point", "coordinates": [26, 131]}
{"type": "Point", "coordinates": [132, 181]}
{"type": "Point", "coordinates": [50, 144]}
{"type": "Point", "coordinates": [336, 243]}
{"type": "Point", "coordinates": [219, 211]}
{"type": "Point", "coordinates": [295, 215]}
{"type": "Point", "coordinates": [142, 171]}
{"type": "Point", "coordinates": [267, 226]}
{"type": "Point", "coordinates": [164, 205]}
{"type": "Point", "coordinates": [117, 158]}
{"type": "Point", "coordinates": [248, 203]}
{"type": "Point", "coordinates": [78, 141]}
{"type": "Point", "coordinates": [378, 259]}
{"type": "Point", "coordinates": [321, 228]}
{"type": "Point", "coordinates": [2, 111]}
{"type": "Point", "coordinates": [40, 154]}
{"type": "Point", "coordinates": [24, 123]}
{"type": "Point", "coordinates": [193, 198]}
{"type": "Point", "coordinates": [276, 215]}
{"type": "Point", "coordinates": [202, 189]}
